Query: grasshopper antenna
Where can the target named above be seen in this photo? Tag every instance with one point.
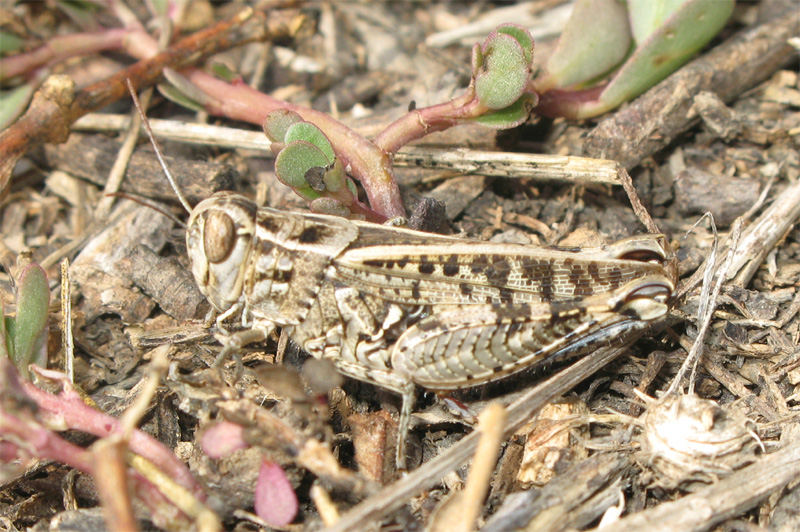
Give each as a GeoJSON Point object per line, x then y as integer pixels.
{"type": "Point", "coordinates": [157, 148]}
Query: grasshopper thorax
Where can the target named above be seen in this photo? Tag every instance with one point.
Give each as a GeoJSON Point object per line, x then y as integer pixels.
{"type": "Point", "coordinates": [219, 239]}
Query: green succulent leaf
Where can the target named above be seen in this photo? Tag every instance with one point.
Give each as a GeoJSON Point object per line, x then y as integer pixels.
{"type": "Point", "coordinates": [522, 36]}
{"type": "Point", "coordinates": [335, 177]}
{"type": "Point", "coordinates": [596, 39]}
{"type": "Point", "coordinates": [222, 71]}
{"type": "Point", "coordinates": [351, 186]}
{"type": "Point", "coordinates": [682, 35]}
{"type": "Point", "coordinates": [501, 80]}
{"type": "Point", "coordinates": [33, 300]}
{"type": "Point", "coordinates": [308, 132]}
{"type": "Point", "coordinates": [512, 116]}
{"type": "Point", "coordinates": [5, 346]}
{"type": "Point", "coordinates": [10, 328]}
{"type": "Point", "coordinates": [13, 103]}
{"type": "Point", "coordinates": [278, 122]}
{"type": "Point", "coordinates": [646, 16]}
{"type": "Point", "coordinates": [10, 42]}
{"type": "Point", "coordinates": [293, 163]}
{"type": "Point", "coordinates": [175, 95]}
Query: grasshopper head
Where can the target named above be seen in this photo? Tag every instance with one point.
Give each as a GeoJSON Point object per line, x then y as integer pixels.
{"type": "Point", "coordinates": [219, 237]}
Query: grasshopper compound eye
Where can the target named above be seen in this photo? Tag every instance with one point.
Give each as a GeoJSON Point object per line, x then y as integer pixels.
{"type": "Point", "coordinates": [218, 236]}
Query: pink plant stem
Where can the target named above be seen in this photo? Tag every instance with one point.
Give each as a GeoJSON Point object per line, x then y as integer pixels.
{"type": "Point", "coordinates": [421, 122]}
{"type": "Point", "coordinates": [43, 443]}
{"type": "Point", "coordinates": [69, 409]}
{"type": "Point", "coordinates": [59, 48]}
{"type": "Point", "coordinates": [369, 164]}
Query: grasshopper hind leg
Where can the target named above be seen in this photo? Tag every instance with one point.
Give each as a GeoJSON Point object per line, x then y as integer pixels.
{"type": "Point", "coordinates": [392, 381]}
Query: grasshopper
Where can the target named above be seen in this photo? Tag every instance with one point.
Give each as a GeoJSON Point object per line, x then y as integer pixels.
{"type": "Point", "coordinates": [401, 308]}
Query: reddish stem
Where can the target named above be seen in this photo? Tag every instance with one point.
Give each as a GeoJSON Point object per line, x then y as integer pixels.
{"type": "Point", "coordinates": [421, 122]}
{"type": "Point", "coordinates": [69, 409]}
{"type": "Point", "coordinates": [48, 119]}
{"type": "Point", "coordinates": [567, 103]}
{"type": "Point", "coordinates": [59, 48]}
{"type": "Point", "coordinates": [368, 163]}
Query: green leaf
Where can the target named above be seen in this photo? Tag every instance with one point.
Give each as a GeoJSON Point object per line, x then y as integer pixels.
{"type": "Point", "coordinates": [504, 74]}
{"type": "Point", "coordinates": [278, 122]}
{"type": "Point", "coordinates": [597, 38]}
{"type": "Point", "coordinates": [173, 94]}
{"type": "Point", "coordinates": [647, 16]}
{"type": "Point", "coordinates": [13, 103]}
{"type": "Point", "coordinates": [682, 35]}
{"type": "Point", "coordinates": [335, 177]}
{"type": "Point", "coordinates": [10, 327]}
{"type": "Point", "coordinates": [308, 132]}
{"type": "Point", "coordinates": [523, 37]}
{"type": "Point", "coordinates": [5, 350]}
{"type": "Point", "coordinates": [10, 42]}
{"type": "Point", "coordinates": [292, 163]}
{"type": "Point", "coordinates": [512, 116]}
{"type": "Point", "coordinates": [33, 300]}
{"type": "Point", "coordinates": [221, 70]}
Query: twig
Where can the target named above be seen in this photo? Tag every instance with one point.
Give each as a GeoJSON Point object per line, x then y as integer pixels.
{"type": "Point", "coordinates": [723, 500]}
{"type": "Point", "coordinates": [518, 165]}
{"type": "Point", "coordinates": [66, 322]}
{"type": "Point", "coordinates": [490, 426]}
{"type": "Point", "coordinates": [758, 239]}
{"type": "Point", "coordinates": [580, 170]}
{"type": "Point", "coordinates": [55, 106]}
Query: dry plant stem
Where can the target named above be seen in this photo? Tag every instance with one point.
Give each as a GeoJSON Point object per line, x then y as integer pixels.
{"type": "Point", "coordinates": [708, 303]}
{"type": "Point", "coordinates": [723, 500]}
{"type": "Point", "coordinates": [758, 239]}
{"type": "Point", "coordinates": [490, 426]}
{"type": "Point", "coordinates": [322, 501]}
{"type": "Point", "coordinates": [158, 367]}
{"type": "Point", "coordinates": [501, 164]}
{"type": "Point", "coordinates": [54, 108]}
{"type": "Point", "coordinates": [66, 322]}
{"type": "Point", "coordinates": [515, 165]}
{"type": "Point", "coordinates": [112, 484]}
{"type": "Point", "coordinates": [766, 232]}
{"type": "Point", "coordinates": [396, 495]}
{"type": "Point", "coordinates": [117, 173]}
{"type": "Point", "coordinates": [369, 164]}
{"type": "Point", "coordinates": [179, 496]}
{"type": "Point", "coordinates": [69, 409]}
{"type": "Point", "coordinates": [571, 500]}
{"type": "Point", "coordinates": [653, 120]}
{"type": "Point", "coordinates": [224, 137]}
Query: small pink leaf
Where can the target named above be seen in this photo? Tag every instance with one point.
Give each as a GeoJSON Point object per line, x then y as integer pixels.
{"type": "Point", "coordinates": [222, 439]}
{"type": "Point", "coordinates": [276, 502]}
